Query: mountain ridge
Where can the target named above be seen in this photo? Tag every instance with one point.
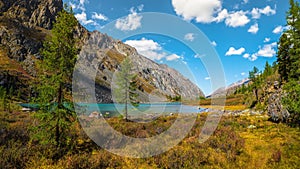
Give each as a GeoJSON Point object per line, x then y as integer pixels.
{"type": "Point", "coordinates": [24, 26]}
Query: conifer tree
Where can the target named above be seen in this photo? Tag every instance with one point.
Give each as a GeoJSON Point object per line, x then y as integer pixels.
{"type": "Point", "coordinates": [289, 62]}
{"type": "Point", "coordinates": [125, 90]}
{"type": "Point", "coordinates": [58, 59]}
{"type": "Point", "coordinates": [253, 76]}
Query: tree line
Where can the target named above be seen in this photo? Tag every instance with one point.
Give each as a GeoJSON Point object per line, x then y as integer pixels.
{"type": "Point", "coordinates": [286, 70]}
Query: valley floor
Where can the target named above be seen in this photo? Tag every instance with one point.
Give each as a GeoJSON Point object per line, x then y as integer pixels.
{"type": "Point", "coordinates": [244, 141]}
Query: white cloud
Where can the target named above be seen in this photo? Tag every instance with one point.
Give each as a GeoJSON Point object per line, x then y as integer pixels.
{"type": "Point", "coordinates": [246, 55]}
{"type": "Point", "coordinates": [237, 19]}
{"type": "Point", "coordinates": [243, 73]}
{"type": "Point", "coordinates": [198, 56]}
{"type": "Point", "coordinates": [253, 29]}
{"type": "Point", "coordinates": [267, 40]}
{"type": "Point", "coordinates": [99, 16]}
{"type": "Point", "coordinates": [278, 29]}
{"type": "Point", "coordinates": [72, 5]}
{"type": "Point", "coordinates": [79, 5]}
{"type": "Point", "coordinates": [172, 57]}
{"type": "Point", "coordinates": [202, 11]}
{"type": "Point", "coordinates": [208, 11]}
{"type": "Point", "coordinates": [256, 12]}
{"type": "Point", "coordinates": [151, 49]}
{"type": "Point", "coordinates": [232, 19]}
{"type": "Point", "coordinates": [82, 1]}
{"type": "Point", "coordinates": [140, 7]}
{"type": "Point", "coordinates": [207, 78]}
{"type": "Point", "coordinates": [233, 51]}
{"type": "Point", "coordinates": [82, 18]}
{"type": "Point", "coordinates": [221, 16]}
{"type": "Point", "coordinates": [253, 57]}
{"type": "Point", "coordinates": [268, 11]}
{"type": "Point", "coordinates": [267, 50]}
{"type": "Point", "coordinates": [129, 23]}
{"type": "Point", "coordinates": [189, 37]}
{"type": "Point", "coordinates": [214, 43]}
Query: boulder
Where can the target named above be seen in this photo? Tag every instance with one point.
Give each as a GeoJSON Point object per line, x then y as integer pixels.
{"type": "Point", "coordinates": [276, 111]}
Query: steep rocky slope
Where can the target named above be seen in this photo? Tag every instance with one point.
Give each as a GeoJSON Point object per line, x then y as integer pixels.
{"type": "Point", "coordinates": [154, 78]}
{"type": "Point", "coordinates": [25, 24]}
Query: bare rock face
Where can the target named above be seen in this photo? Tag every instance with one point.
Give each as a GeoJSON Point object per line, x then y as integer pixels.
{"type": "Point", "coordinates": [276, 111]}
{"type": "Point", "coordinates": [23, 27]}
{"type": "Point", "coordinates": [32, 13]}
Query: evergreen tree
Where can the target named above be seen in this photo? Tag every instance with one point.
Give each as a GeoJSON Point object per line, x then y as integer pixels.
{"type": "Point", "coordinates": [283, 58]}
{"type": "Point", "coordinates": [289, 62]}
{"type": "Point", "coordinates": [253, 76]}
{"type": "Point", "coordinates": [268, 70]}
{"type": "Point", "coordinates": [59, 57]}
{"type": "Point", "coordinates": [125, 90]}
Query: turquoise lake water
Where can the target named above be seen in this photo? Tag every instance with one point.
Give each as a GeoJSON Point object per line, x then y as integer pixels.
{"type": "Point", "coordinates": [111, 110]}
{"type": "Point", "coordinates": [142, 109]}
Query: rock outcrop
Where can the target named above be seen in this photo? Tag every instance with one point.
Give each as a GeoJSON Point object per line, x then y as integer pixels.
{"type": "Point", "coordinates": [23, 27]}
{"type": "Point", "coordinates": [276, 111]}
{"type": "Point", "coordinates": [25, 24]}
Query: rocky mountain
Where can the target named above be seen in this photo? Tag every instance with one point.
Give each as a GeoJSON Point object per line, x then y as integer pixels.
{"type": "Point", "coordinates": [25, 24]}
{"type": "Point", "coordinates": [157, 79]}
{"type": "Point", "coordinates": [230, 89]}
{"type": "Point", "coordinates": [23, 27]}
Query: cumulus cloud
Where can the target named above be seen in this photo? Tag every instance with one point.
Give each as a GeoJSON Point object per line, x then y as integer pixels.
{"type": "Point", "coordinates": [129, 23]}
{"type": "Point", "coordinates": [198, 56]}
{"type": "Point", "coordinates": [253, 29]}
{"type": "Point", "coordinates": [278, 29]}
{"type": "Point", "coordinates": [246, 55]}
{"type": "Point", "coordinates": [207, 78]}
{"type": "Point", "coordinates": [268, 11]}
{"type": "Point", "coordinates": [82, 18]}
{"type": "Point", "coordinates": [243, 73]}
{"type": "Point", "coordinates": [172, 57]}
{"type": "Point", "coordinates": [79, 5]}
{"type": "Point", "coordinates": [221, 16]}
{"type": "Point", "coordinates": [99, 16]}
{"type": "Point", "coordinates": [233, 51]}
{"type": "Point", "coordinates": [256, 12]}
{"type": "Point", "coordinates": [207, 11]}
{"type": "Point", "coordinates": [140, 7]}
{"type": "Point", "coordinates": [233, 19]}
{"type": "Point", "coordinates": [189, 37]}
{"type": "Point", "coordinates": [267, 40]}
{"type": "Point", "coordinates": [237, 19]}
{"type": "Point", "coordinates": [201, 10]}
{"type": "Point", "coordinates": [267, 50]}
{"type": "Point", "coordinates": [151, 49]}
{"type": "Point", "coordinates": [214, 43]}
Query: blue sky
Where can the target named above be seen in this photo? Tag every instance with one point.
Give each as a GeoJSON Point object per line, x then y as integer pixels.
{"type": "Point", "coordinates": [243, 32]}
